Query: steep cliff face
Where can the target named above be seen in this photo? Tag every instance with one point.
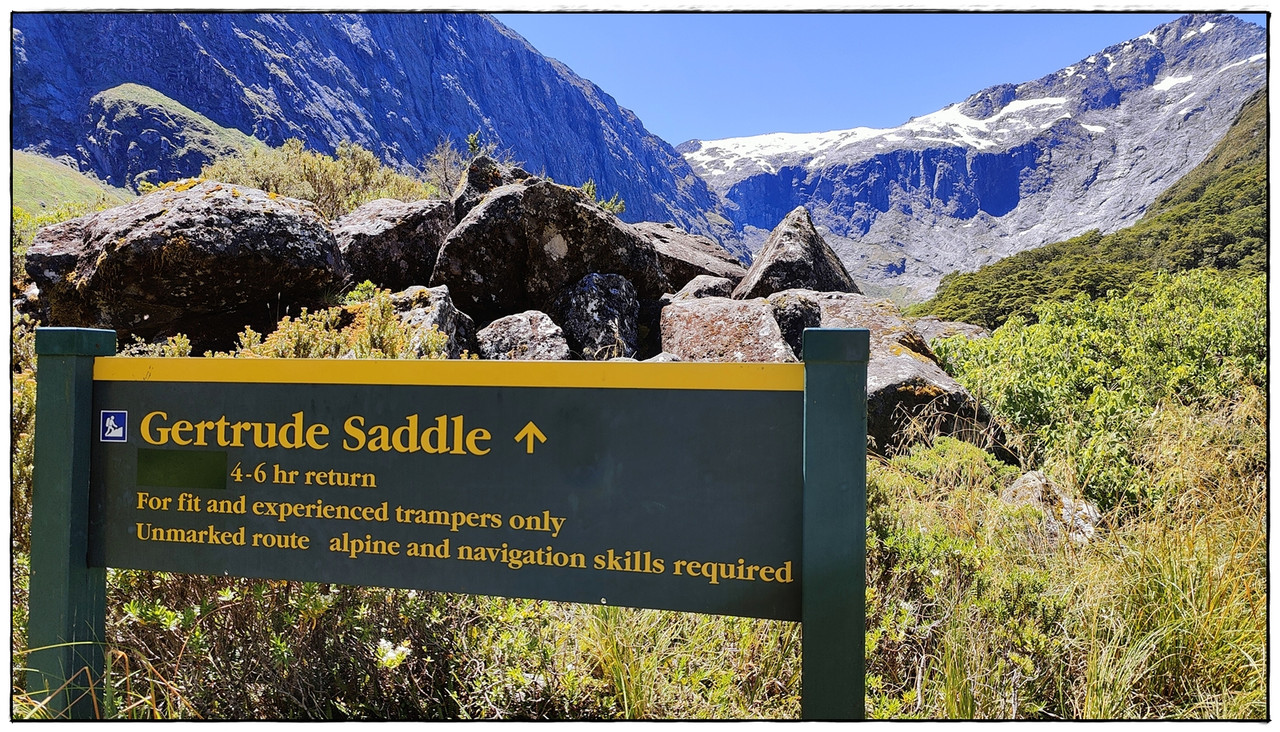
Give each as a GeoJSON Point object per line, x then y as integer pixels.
{"type": "Point", "coordinates": [1010, 168]}
{"type": "Point", "coordinates": [395, 83]}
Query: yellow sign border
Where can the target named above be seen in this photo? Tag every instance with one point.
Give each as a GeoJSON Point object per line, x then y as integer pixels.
{"type": "Point", "coordinates": [551, 374]}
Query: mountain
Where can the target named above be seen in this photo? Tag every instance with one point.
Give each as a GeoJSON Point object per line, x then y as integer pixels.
{"type": "Point", "coordinates": [395, 83]}
{"type": "Point", "coordinates": [1012, 167]}
{"type": "Point", "coordinates": [1215, 216]}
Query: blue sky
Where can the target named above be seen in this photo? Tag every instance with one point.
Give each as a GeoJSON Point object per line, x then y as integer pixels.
{"type": "Point", "coordinates": [710, 76]}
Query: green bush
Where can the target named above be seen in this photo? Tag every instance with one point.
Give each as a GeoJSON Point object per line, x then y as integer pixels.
{"type": "Point", "coordinates": [336, 185]}
{"type": "Point", "coordinates": [1080, 382]}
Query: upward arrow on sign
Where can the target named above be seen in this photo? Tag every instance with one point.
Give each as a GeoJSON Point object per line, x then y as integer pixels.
{"type": "Point", "coordinates": [529, 434]}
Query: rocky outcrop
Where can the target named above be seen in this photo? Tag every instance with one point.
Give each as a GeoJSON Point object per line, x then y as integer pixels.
{"type": "Point", "coordinates": [599, 316]}
{"type": "Point", "coordinates": [1064, 517]}
{"type": "Point", "coordinates": [527, 243]}
{"type": "Point", "coordinates": [684, 256]}
{"type": "Point", "coordinates": [795, 255]}
{"type": "Point", "coordinates": [392, 243]}
{"type": "Point", "coordinates": [721, 329]}
{"type": "Point", "coordinates": [205, 259]}
{"type": "Point", "coordinates": [527, 336]}
{"type": "Point", "coordinates": [420, 308]}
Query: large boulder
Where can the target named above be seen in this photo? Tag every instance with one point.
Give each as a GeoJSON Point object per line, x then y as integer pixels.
{"type": "Point", "coordinates": [684, 256]}
{"type": "Point", "coordinates": [599, 316]}
{"type": "Point", "coordinates": [721, 329]}
{"type": "Point", "coordinates": [392, 243]}
{"type": "Point", "coordinates": [421, 307]}
{"type": "Point", "coordinates": [795, 255]}
{"type": "Point", "coordinates": [483, 174]}
{"type": "Point", "coordinates": [201, 258]}
{"type": "Point", "coordinates": [527, 336]}
{"type": "Point", "coordinates": [525, 244]}
{"type": "Point", "coordinates": [908, 393]}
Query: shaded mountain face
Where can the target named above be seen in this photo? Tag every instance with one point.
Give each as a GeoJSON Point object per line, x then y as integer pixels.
{"type": "Point", "coordinates": [1012, 167]}
{"type": "Point", "coordinates": [395, 83]}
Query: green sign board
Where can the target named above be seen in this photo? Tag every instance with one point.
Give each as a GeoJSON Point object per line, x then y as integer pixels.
{"type": "Point", "coordinates": [668, 486]}
{"type": "Point", "coordinates": [716, 488]}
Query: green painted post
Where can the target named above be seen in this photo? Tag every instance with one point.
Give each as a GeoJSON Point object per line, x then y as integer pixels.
{"type": "Point", "coordinates": [67, 606]}
{"type": "Point", "coordinates": [835, 518]}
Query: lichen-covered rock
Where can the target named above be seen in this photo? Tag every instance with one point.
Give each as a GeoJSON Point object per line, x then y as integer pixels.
{"type": "Point", "coordinates": [483, 174]}
{"type": "Point", "coordinates": [201, 258]}
{"type": "Point", "coordinates": [599, 316]}
{"type": "Point", "coordinates": [421, 307]}
{"type": "Point", "coordinates": [704, 286]}
{"type": "Point", "coordinates": [684, 256]}
{"type": "Point", "coordinates": [392, 243]}
{"type": "Point", "coordinates": [527, 336]}
{"type": "Point", "coordinates": [523, 245]}
{"type": "Point", "coordinates": [795, 255]}
{"type": "Point", "coordinates": [721, 329]}
{"type": "Point", "coordinates": [931, 328]}
{"type": "Point", "coordinates": [1074, 518]}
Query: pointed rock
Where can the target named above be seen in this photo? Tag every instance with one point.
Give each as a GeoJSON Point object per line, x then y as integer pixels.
{"type": "Point", "coordinates": [392, 243]}
{"type": "Point", "coordinates": [795, 255]}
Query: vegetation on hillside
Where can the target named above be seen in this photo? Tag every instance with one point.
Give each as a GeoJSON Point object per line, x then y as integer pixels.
{"type": "Point", "coordinates": [335, 184]}
{"type": "Point", "coordinates": [1214, 217]}
{"type": "Point", "coordinates": [41, 184]}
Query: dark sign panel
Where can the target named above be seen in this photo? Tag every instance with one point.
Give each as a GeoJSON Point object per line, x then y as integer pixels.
{"type": "Point", "coordinates": [673, 486]}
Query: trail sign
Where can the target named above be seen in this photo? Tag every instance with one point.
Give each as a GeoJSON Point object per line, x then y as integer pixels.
{"type": "Point", "coordinates": [688, 486]}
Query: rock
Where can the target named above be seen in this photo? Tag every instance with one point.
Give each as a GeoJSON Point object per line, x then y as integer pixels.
{"type": "Point", "coordinates": [28, 302]}
{"type": "Point", "coordinates": [599, 316]}
{"type": "Point", "coordinates": [684, 256]}
{"type": "Point", "coordinates": [483, 174]}
{"type": "Point", "coordinates": [795, 255]}
{"type": "Point", "coordinates": [524, 245]}
{"type": "Point", "coordinates": [392, 243]}
{"type": "Point", "coordinates": [794, 313]}
{"type": "Point", "coordinates": [527, 336]}
{"type": "Point", "coordinates": [205, 259]}
{"type": "Point", "coordinates": [420, 308]}
{"type": "Point", "coordinates": [721, 329]}
{"type": "Point", "coordinates": [704, 286]}
{"type": "Point", "coordinates": [908, 393]}
{"type": "Point", "coordinates": [931, 328]}
{"type": "Point", "coordinates": [1074, 518]}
